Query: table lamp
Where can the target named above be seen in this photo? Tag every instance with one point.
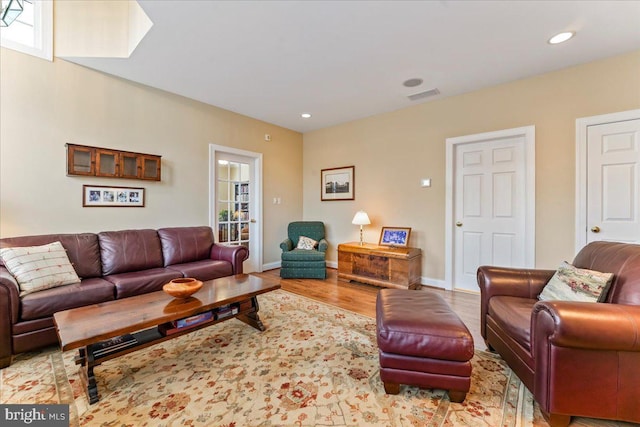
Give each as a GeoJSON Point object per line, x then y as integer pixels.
{"type": "Point", "coordinates": [361, 218]}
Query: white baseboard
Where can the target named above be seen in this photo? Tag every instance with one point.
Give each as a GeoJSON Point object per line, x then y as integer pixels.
{"type": "Point", "coordinates": [436, 283]}
{"type": "Point", "coordinates": [332, 264]}
{"type": "Point", "coordinates": [271, 265]}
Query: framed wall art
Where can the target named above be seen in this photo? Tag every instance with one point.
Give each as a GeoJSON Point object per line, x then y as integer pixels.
{"type": "Point", "coordinates": [395, 236]}
{"type": "Point", "coordinates": [99, 195]}
{"type": "Point", "coordinates": [337, 183]}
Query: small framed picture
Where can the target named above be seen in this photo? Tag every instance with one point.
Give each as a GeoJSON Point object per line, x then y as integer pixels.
{"type": "Point", "coordinates": [337, 183]}
{"type": "Point", "coordinates": [98, 195]}
{"type": "Point", "coordinates": [395, 236]}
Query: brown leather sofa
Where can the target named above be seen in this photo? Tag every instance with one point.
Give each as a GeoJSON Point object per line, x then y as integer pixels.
{"type": "Point", "coordinates": [577, 358]}
{"type": "Point", "coordinates": [112, 265]}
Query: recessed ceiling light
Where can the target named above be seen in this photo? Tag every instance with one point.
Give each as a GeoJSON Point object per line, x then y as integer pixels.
{"type": "Point", "coordinates": [562, 37]}
{"type": "Point", "coordinates": [412, 82]}
{"type": "Point", "coordinates": [305, 115]}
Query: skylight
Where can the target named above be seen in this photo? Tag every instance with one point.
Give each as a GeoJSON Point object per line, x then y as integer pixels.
{"type": "Point", "coordinates": [32, 31]}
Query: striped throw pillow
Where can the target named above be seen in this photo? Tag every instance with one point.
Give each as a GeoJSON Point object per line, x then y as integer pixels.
{"type": "Point", "coordinates": [39, 267]}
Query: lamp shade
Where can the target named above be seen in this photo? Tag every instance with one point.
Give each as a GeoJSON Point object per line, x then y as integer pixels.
{"type": "Point", "coordinates": [361, 218]}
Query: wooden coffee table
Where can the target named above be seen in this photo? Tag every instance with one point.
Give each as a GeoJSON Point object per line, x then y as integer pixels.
{"type": "Point", "coordinates": [147, 317]}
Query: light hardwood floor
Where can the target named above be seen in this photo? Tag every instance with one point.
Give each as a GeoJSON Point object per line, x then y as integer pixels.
{"type": "Point", "coordinates": [361, 298]}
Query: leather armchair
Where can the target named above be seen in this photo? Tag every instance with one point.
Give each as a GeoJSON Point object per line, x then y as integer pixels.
{"type": "Point", "coordinates": [301, 263]}
{"type": "Point", "coordinates": [577, 358]}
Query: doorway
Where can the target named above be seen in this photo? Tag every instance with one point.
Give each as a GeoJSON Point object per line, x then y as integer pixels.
{"type": "Point", "coordinates": [608, 178]}
{"type": "Point", "coordinates": [490, 204]}
{"type": "Point", "coordinates": [235, 201]}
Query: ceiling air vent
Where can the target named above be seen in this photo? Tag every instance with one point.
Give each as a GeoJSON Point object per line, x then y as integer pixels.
{"type": "Point", "coordinates": [425, 94]}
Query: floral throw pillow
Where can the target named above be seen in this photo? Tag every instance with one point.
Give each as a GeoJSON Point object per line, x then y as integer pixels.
{"type": "Point", "coordinates": [39, 267]}
{"type": "Point", "coordinates": [306, 243]}
{"type": "Point", "coordinates": [570, 283]}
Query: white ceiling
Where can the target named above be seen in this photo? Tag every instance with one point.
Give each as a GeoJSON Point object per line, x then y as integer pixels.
{"type": "Point", "coordinates": [345, 60]}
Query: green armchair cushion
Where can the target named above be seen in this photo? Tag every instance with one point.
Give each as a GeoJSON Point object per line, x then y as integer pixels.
{"type": "Point", "coordinates": [303, 255]}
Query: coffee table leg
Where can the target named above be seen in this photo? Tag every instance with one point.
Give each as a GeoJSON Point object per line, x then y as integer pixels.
{"type": "Point", "coordinates": [92, 386]}
{"type": "Point", "coordinates": [252, 319]}
{"type": "Point", "coordinates": [87, 375]}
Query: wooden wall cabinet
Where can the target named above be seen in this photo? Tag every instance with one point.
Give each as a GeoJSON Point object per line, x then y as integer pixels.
{"type": "Point", "coordinates": [97, 161]}
{"type": "Point", "coordinates": [389, 267]}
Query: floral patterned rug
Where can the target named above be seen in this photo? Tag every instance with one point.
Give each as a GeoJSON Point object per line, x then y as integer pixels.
{"type": "Point", "coordinates": [315, 365]}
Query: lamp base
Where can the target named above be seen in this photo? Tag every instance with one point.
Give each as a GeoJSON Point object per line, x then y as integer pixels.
{"type": "Point", "coordinates": [361, 242]}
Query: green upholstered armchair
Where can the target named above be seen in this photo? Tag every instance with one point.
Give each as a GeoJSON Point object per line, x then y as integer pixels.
{"type": "Point", "coordinates": [302, 263]}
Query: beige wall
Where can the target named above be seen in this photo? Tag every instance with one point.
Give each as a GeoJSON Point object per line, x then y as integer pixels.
{"type": "Point", "coordinates": [44, 105]}
{"type": "Point", "coordinates": [392, 152]}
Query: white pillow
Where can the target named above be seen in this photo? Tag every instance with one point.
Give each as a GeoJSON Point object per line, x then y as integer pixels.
{"type": "Point", "coordinates": [306, 243]}
{"type": "Point", "coordinates": [570, 283]}
{"type": "Point", "coordinates": [39, 267]}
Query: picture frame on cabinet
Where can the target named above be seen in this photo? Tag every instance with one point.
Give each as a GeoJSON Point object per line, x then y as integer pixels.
{"type": "Point", "coordinates": [395, 236]}
{"type": "Point", "coordinates": [337, 183]}
{"type": "Point", "coordinates": [103, 196]}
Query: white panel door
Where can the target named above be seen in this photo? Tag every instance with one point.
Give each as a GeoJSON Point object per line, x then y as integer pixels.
{"type": "Point", "coordinates": [489, 207]}
{"type": "Point", "coordinates": [613, 183]}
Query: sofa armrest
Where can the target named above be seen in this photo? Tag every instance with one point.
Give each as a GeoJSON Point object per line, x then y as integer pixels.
{"type": "Point", "coordinates": [323, 245]}
{"type": "Point", "coordinates": [236, 255]}
{"type": "Point", "coordinates": [286, 245]}
{"type": "Point", "coordinates": [586, 357]}
{"type": "Point", "coordinates": [585, 325]}
{"type": "Point", "coordinates": [516, 282]}
{"type": "Point", "coordinates": [9, 294]}
{"type": "Point", "coordinates": [9, 309]}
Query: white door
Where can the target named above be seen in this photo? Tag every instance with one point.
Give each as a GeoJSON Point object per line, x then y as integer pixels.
{"type": "Point", "coordinates": [493, 202]}
{"type": "Point", "coordinates": [236, 200]}
{"type": "Point", "coordinates": [613, 182]}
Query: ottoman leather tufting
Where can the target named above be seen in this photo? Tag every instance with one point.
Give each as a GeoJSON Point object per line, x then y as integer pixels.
{"type": "Point", "coordinates": [422, 342]}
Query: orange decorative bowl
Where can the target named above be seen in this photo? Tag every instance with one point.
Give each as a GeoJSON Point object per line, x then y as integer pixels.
{"type": "Point", "coordinates": [183, 287]}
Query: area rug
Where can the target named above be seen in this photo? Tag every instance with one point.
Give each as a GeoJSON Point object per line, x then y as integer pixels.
{"type": "Point", "coordinates": [315, 365]}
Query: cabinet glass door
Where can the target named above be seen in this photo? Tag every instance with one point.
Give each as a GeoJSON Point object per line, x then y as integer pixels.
{"type": "Point", "coordinates": [80, 160]}
{"type": "Point", "coordinates": [234, 201]}
{"type": "Point", "coordinates": [107, 163]}
{"type": "Point", "coordinates": [129, 165]}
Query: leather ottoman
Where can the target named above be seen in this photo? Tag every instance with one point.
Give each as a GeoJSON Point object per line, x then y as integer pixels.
{"type": "Point", "coordinates": [422, 342]}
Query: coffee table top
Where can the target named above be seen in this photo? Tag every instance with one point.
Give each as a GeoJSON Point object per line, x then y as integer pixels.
{"type": "Point", "coordinates": [82, 326]}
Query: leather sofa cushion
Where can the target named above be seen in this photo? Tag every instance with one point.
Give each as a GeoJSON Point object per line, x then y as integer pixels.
{"type": "Point", "coordinates": [82, 249]}
{"type": "Point", "coordinates": [27, 326]}
{"type": "Point", "coordinates": [46, 302]}
{"type": "Point", "coordinates": [141, 282]}
{"type": "Point", "coordinates": [185, 244]}
{"type": "Point", "coordinates": [129, 250]}
{"type": "Point", "coordinates": [204, 270]}
{"type": "Point", "coordinates": [513, 315]}
{"type": "Point", "coordinates": [421, 324]}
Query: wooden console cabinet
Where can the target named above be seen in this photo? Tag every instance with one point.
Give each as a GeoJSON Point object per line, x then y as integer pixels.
{"type": "Point", "coordinates": [97, 161]}
{"type": "Point", "coordinates": [389, 267]}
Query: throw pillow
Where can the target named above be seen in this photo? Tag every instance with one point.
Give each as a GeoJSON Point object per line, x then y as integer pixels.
{"type": "Point", "coordinates": [306, 243]}
{"type": "Point", "coordinates": [39, 267]}
{"type": "Point", "coordinates": [570, 283]}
